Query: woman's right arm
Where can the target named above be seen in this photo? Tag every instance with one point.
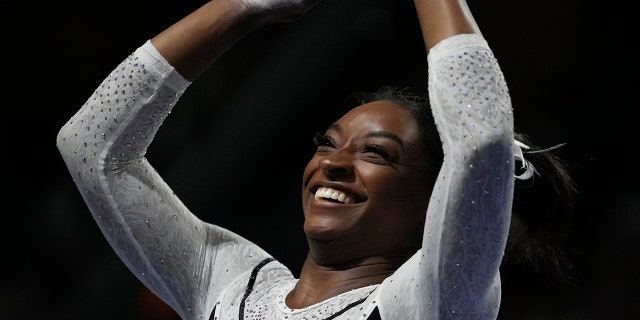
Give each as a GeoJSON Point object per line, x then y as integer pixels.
{"type": "Point", "coordinates": [104, 144]}
{"type": "Point", "coordinates": [193, 43]}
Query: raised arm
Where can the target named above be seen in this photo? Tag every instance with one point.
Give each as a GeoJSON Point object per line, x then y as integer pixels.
{"type": "Point", "coordinates": [193, 43]}
{"type": "Point", "coordinates": [441, 19]}
{"type": "Point", "coordinates": [469, 211]}
{"type": "Point", "coordinates": [179, 257]}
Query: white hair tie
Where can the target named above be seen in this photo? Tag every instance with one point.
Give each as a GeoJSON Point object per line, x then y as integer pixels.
{"type": "Point", "coordinates": [527, 166]}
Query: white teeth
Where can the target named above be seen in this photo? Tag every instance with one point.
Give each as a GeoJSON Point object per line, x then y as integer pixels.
{"type": "Point", "coordinates": [333, 194]}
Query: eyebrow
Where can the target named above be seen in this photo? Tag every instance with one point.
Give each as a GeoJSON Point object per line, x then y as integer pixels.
{"type": "Point", "coordinates": [374, 134]}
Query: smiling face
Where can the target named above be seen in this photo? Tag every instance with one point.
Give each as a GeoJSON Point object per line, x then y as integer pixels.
{"type": "Point", "coordinates": [364, 190]}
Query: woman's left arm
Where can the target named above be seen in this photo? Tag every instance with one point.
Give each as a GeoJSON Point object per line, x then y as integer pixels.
{"type": "Point", "coordinates": [469, 214]}
{"type": "Point", "coordinates": [456, 273]}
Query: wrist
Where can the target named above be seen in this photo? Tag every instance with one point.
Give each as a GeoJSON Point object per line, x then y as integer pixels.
{"type": "Point", "coordinates": [250, 14]}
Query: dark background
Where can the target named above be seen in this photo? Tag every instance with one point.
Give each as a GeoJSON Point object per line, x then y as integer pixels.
{"type": "Point", "coordinates": [240, 136]}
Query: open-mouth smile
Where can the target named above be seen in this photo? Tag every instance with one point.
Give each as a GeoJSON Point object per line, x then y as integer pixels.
{"type": "Point", "coordinates": [333, 195]}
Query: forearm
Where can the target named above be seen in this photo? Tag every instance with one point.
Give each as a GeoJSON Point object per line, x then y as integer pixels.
{"type": "Point", "coordinates": [440, 19]}
{"type": "Point", "coordinates": [193, 43]}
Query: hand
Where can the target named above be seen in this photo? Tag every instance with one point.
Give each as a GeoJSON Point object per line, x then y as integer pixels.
{"type": "Point", "coordinates": [269, 11]}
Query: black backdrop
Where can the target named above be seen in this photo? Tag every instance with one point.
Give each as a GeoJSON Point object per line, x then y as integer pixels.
{"type": "Point", "coordinates": [240, 136]}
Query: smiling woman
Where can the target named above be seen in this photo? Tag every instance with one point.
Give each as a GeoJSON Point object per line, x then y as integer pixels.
{"type": "Point", "coordinates": [372, 147]}
{"type": "Point", "coordinates": [407, 200]}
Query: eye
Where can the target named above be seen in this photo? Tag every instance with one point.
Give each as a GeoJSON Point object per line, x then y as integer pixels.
{"type": "Point", "coordinates": [378, 154]}
{"type": "Point", "coordinates": [323, 142]}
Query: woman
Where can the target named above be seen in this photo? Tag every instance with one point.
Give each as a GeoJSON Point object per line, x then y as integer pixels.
{"type": "Point", "coordinates": [395, 229]}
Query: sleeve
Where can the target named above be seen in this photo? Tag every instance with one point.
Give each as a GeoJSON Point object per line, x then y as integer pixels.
{"type": "Point", "coordinates": [179, 257]}
{"type": "Point", "coordinates": [456, 273]}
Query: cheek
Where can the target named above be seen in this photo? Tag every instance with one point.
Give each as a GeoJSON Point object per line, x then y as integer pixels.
{"type": "Point", "coordinates": [415, 194]}
{"type": "Point", "coordinates": [406, 193]}
{"type": "Point", "coordinates": [385, 189]}
{"type": "Point", "coordinates": [379, 180]}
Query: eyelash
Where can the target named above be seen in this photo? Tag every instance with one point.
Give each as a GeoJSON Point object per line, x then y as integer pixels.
{"type": "Point", "coordinates": [321, 140]}
{"type": "Point", "coordinates": [379, 150]}
{"type": "Point", "coordinates": [324, 141]}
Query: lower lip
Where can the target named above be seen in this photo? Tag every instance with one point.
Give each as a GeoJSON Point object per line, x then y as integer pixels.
{"type": "Point", "coordinates": [326, 203]}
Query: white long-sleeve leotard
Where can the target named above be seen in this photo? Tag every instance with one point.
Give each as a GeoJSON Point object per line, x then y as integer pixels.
{"type": "Point", "coordinates": [205, 271]}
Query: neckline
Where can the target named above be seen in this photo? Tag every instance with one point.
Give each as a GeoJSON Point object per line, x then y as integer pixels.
{"type": "Point", "coordinates": [344, 298]}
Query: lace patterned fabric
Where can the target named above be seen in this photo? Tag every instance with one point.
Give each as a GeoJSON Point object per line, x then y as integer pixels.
{"type": "Point", "coordinates": [196, 266]}
{"type": "Point", "coordinates": [266, 300]}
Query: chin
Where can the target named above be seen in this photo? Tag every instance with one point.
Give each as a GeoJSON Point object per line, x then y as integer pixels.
{"type": "Point", "coordinates": [319, 233]}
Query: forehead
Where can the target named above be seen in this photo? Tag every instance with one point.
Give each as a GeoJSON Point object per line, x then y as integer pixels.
{"type": "Point", "coordinates": [381, 115]}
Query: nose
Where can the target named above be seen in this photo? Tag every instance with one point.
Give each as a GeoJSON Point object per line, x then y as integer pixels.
{"type": "Point", "coordinates": [337, 165]}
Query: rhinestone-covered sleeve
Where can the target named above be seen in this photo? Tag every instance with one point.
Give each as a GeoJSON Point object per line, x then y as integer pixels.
{"type": "Point", "coordinates": [168, 248]}
{"type": "Point", "coordinates": [456, 273]}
